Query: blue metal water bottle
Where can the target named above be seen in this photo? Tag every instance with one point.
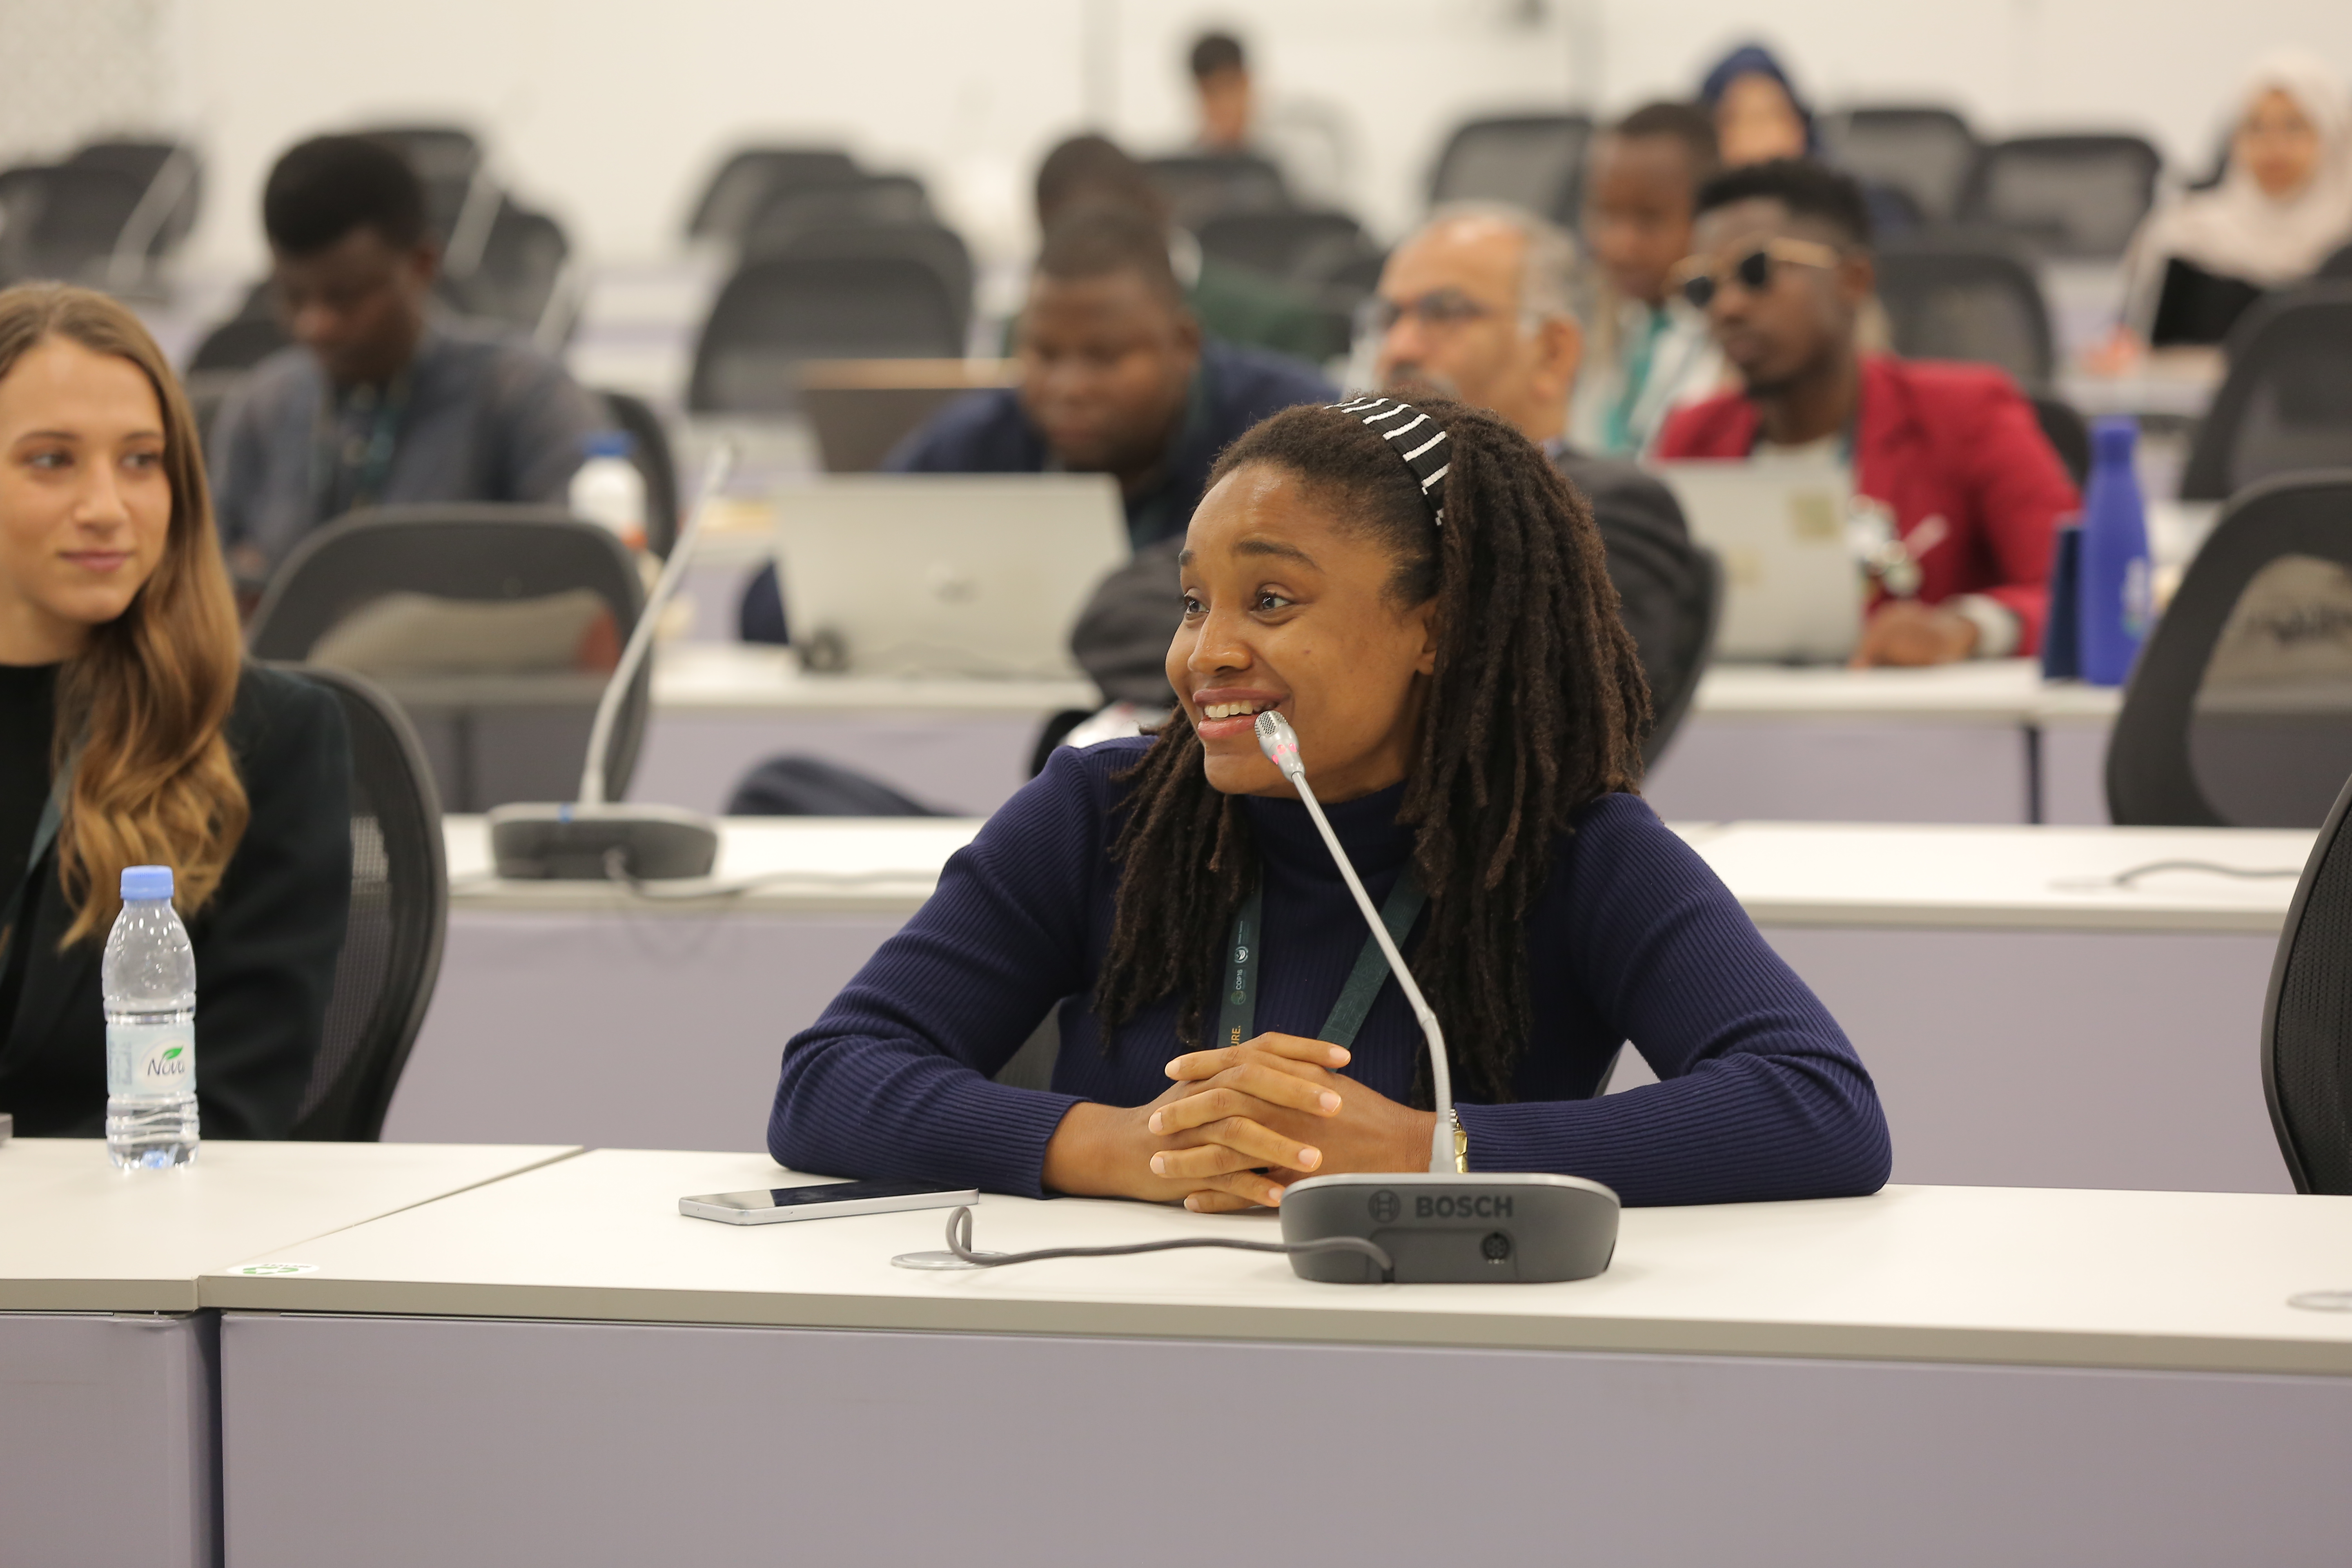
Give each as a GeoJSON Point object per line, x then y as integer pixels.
{"type": "Point", "coordinates": [2117, 604]}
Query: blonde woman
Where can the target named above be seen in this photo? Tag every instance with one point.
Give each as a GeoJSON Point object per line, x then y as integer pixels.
{"type": "Point", "coordinates": [124, 702]}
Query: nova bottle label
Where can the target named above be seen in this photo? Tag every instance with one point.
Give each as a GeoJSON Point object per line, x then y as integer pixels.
{"type": "Point", "coordinates": [150, 1060]}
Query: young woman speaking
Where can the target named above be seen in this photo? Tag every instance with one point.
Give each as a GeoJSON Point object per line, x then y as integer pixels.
{"type": "Point", "coordinates": [125, 705]}
{"type": "Point", "coordinates": [1432, 614]}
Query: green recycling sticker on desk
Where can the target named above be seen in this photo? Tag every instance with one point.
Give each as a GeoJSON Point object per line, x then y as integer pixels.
{"type": "Point", "coordinates": [265, 1270]}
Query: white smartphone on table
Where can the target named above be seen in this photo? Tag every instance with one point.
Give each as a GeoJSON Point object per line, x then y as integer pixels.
{"type": "Point", "coordinates": [827, 1199]}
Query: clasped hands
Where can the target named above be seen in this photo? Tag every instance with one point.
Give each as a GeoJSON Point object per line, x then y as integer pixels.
{"type": "Point", "coordinates": [1239, 1124]}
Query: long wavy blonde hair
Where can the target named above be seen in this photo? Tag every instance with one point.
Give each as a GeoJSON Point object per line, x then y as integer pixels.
{"type": "Point", "coordinates": [147, 698]}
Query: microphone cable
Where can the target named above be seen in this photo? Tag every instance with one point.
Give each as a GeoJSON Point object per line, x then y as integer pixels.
{"type": "Point", "coordinates": [960, 1243]}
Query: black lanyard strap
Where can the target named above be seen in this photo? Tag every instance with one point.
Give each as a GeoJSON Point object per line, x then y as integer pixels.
{"type": "Point", "coordinates": [45, 833]}
{"type": "Point", "coordinates": [1237, 1010]}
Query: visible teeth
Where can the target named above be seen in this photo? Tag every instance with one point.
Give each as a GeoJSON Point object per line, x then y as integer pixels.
{"type": "Point", "coordinates": [1230, 710]}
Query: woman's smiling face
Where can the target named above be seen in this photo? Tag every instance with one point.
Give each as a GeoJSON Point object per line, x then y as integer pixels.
{"type": "Point", "coordinates": [1288, 606]}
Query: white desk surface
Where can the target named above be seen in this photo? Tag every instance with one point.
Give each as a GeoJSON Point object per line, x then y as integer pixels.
{"type": "Point", "coordinates": [1821, 874]}
{"type": "Point", "coordinates": [1989, 691]}
{"type": "Point", "coordinates": [2001, 1275]}
{"type": "Point", "coordinates": [745, 678]}
{"type": "Point", "coordinates": [2006, 878]}
{"type": "Point", "coordinates": [76, 1235]}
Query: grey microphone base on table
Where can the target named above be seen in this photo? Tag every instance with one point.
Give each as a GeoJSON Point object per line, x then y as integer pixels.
{"type": "Point", "coordinates": [1443, 1228]}
{"type": "Point", "coordinates": [581, 842]}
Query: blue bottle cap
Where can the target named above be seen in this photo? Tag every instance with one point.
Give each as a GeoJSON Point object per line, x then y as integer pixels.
{"type": "Point", "coordinates": [608, 444]}
{"type": "Point", "coordinates": [146, 882]}
{"type": "Point", "coordinates": [2113, 438]}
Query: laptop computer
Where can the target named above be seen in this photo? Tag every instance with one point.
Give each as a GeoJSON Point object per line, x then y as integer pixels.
{"type": "Point", "coordinates": [932, 575]}
{"type": "Point", "coordinates": [1793, 593]}
{"type": "Point", "coordinates": [860, 409]}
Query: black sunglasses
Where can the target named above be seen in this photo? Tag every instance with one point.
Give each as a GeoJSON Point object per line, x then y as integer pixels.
{"type": "Point", "coordinates": [1700, 279]}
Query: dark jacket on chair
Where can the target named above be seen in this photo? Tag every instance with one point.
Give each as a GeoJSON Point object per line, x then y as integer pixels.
{"type": "Point", "coordinates": [265, 944]}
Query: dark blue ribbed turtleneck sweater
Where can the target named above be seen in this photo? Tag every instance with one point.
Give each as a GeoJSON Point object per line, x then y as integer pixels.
{"type": "Point", "coordinates": [1633, 939]}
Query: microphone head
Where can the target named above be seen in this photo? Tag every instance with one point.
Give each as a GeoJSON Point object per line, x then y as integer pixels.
{"type": "Point", "coordinates": [1279, 741]}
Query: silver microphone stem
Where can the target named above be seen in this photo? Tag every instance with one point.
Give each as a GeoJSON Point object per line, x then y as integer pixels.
{"type": "Point", "coordinates": [715, 471]}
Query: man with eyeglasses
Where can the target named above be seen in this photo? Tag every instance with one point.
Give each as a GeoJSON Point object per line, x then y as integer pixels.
{"type": "Point", "coordinates": [1477, 304]}
{"type": "Point", "coordinates": [1971, 491]}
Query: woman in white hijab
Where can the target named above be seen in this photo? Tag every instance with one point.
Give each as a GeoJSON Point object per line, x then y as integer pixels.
{"type": "Point", "coordinates": [2283, 206]}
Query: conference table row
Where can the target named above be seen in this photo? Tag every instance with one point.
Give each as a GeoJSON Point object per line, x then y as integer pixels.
{"type": "Point", "coordinates": [362, 1355]}
{"type": "Point", "coordinates": [1985, 741]}
{"type": "Point", "coordinates": [2040, 1006]}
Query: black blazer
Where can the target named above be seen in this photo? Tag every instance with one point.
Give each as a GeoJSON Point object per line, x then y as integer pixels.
{"type": "Point", "coordinates": [265, 944]}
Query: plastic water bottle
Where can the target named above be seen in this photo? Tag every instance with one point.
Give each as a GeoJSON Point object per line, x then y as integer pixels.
{"type": "Point", "coordinates": [2118, 600]}
{"type": "Point", "coordinates": [609, 490]}
{"type": "Point", "coordinates": [148, 980]}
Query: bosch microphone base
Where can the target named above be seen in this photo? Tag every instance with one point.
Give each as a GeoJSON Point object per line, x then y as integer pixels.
{"type": "Point", "coordinates": [580, 842]}
{"type": "Point", "coordinates": [1454, 1229]}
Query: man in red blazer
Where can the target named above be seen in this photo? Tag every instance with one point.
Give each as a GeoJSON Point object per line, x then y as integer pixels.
{"type": "Point", "coordinates": [1971, 491]}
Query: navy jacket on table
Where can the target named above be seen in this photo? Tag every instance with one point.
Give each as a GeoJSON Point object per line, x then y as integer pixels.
{"type": "Point", "coordinates": [987, 433]}
{"type": "Point", "coordinates": [1633, 939]}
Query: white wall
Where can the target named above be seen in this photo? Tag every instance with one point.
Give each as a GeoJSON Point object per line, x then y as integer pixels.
{"type": "Point", "coordinates": [611, 112]}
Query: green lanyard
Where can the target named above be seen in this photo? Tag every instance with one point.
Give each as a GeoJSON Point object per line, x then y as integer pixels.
{"type": "Point", "coordinates": [329, 462]}
{"type": "Point", "coordinates": [1237, 1012]}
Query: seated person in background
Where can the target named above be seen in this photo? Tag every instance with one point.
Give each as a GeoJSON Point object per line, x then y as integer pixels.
{"type": "Point", "coordinates": [1115, 378]}
{"type": "Point", "coordinates": [1236, 304]}
{"type": "Point", "coordinates": [1972, 489]}
{"type": "Point", "coordinates": [1474, 304]}
{"type": "Point", "coordinates": [1221, 86]}
{"type": "Point", "coordinates": [379, 404]}
{"type": "Point", "coordinates": [1649, 352]}
{"type": "Point", "coordinates": [1759, 117]}
{"type": "Point", "coordinates": [2283, 206]}
{"type": "Point", "coordinates": [1433, 644]}
{"type": "Point", "coordinates": [124, 702]}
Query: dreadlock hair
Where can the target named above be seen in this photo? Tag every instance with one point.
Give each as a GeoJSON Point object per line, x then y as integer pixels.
{"type": "Point", "coordinates": [1543, 706]}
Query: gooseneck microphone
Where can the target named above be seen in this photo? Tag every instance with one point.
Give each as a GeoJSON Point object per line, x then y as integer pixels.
{"type": "Point", "coordinates": [1443, 1225]}
{"type": "Point", "coordinates": [590, 839]}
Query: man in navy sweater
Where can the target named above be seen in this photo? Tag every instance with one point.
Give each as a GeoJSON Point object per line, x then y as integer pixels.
{"type": "Point", "coordinates": [1116, 378]}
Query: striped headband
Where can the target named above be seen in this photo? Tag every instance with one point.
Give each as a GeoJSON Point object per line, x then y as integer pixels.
{"type": "Point", "coordinates": [1414, 437]}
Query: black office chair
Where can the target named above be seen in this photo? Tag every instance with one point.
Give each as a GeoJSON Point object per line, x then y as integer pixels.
{"type": "Point", "coordinates": [1202, 186]}
{"type": "Point", "coordinates": [1964, 298]}
{"type": "Point", "coordinates": [517, 279]}
{"type": "Point", "coordinates": [850, 200]}
{"type": "Point", "coordinates": [1531, 160]}
{"type": "Point", "coordinates": [2307, 1018]}
{"type": "Point", "coordinates": [734, 196]}
{"type": "Point", "coordinates": [2068, 433]}
{"type": "Point", "coordinates": [2286, 404]}
{"type": "Point", "coordinates": [772, 316]}
{"type": "Point", "coordinates": [493, 627]}
{"type": "Point", "coordinates": [1303, 246]}
{"type": "Point", "coordinates": [399, 916]}
{"type": "Point", "coordinates": [68, 220]}
{"type": "Point", "coordinates": [655, 462]}
{"type": "Point", "coordinates": [929, 244]}
{"type": "Point", "coordinates": [2240, 712]}
{"type": "Point", "coordinates": [2065, 196]}
{"type": "Point", "coordinates": [1924, 153]}
{"type": "Point", "coordinates": [243, 341]}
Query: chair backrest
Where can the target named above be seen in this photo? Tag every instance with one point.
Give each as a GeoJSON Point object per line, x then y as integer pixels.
{"type": "Point", "coordinates": [1303, 246]}
{"type": "Point", "coordinates": [2240, 712]}
{"type": "Point", "coordinates": [2069, 434]}
{"type": "Point", "coordinates": [2065, 195]}
{"type": "Point", "coordinates": [76, 215]}
{"type": "Point", "coordinates": [2307, 1018]}
{"type": "Point", "coordinates": [514, 278]}
{"type": "Point", "coordinates": [2286, 404]}
{"type": "Point", "coordinates": [850, 200]}
{"type": "Point", "coordinates": [1923, 152]}
{"type": "Point", "coordinates": [746, 177]}
{"type": "Point", "coordinates": [1202, 186]}
{"type": "Point", "coordinates": [1672, 691]}
{"type": "Point", "coordinates": [493, 627]}
{"type": "Point", "coordinates": [1964, 299]}
{"type": "Point", "coordinates": [774, 315]}
{"type": "Point", "coordinates": [1531, 160]}
{"type": "Point", "coordinates": [399, 915]}
{"type": "Point", "coordinates": [245, 340]}
{"type": "Point", "coordinates": [939, 249]}
{"type": "Point", "coordinates": [650, 451]}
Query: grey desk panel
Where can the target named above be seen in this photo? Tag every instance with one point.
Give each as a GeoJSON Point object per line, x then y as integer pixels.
{"type": "Point", "coordinates": [1735, 767]}
{"type": "Point", "coordinates": [386, 1440]}
{"type": "Point", "coordinates": [1994, 1053]}
{"type": "Point", "coordinates": [653, 1030]}
{"type": "Point", "coordinates": [969, 763]}
{"type": "Point", "coordinates": [108, 1454]}
{"type": "Point", "coordinates": [2074, 761]}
